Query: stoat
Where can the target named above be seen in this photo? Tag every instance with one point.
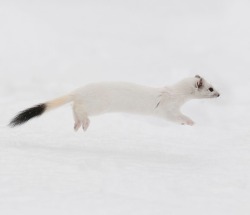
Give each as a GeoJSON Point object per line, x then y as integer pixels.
{"type": "Point", "coordinates": [106, 97]}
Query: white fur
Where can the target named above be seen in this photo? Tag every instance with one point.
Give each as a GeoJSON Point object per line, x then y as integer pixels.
{"type": "Point", "coordinates": [100, 98]}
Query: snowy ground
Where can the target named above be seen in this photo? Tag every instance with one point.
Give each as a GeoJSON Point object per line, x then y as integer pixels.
{"type": "Point", "coordinates": [125, 164]}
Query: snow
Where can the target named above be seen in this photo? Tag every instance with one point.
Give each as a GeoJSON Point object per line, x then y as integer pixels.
{"type": "Point", "coordinates": [125, 164]}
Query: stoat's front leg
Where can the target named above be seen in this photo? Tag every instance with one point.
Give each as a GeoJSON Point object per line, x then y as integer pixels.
{"type": "Point", "coordinates": [180, 118]}
{"type": "Point", "coordinates": [186, 120]}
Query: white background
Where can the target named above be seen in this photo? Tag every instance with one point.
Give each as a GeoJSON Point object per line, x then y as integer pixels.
{"type": "Point", "coordinates": [125, 164]}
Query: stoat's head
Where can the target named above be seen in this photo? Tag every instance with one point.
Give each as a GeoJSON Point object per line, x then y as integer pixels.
{"type": "Point", "coordinates": [202, 89]}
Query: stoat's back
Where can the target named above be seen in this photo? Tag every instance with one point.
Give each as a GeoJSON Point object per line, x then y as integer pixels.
{"type": "Point", "coordinates": [117, 97]}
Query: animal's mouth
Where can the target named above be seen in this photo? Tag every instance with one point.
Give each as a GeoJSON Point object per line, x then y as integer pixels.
{"type": "Point", "coordinates": [213, 96]}
{"type": "Point", "coordinates": [217, 95]}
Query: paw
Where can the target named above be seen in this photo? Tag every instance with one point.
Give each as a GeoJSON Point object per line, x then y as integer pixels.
{"type": "Point", "coordinates": [77, 125]}
{"type": "Point", "coordinates": [85, 124]}
{"type": "Point", "coordinates": [190, 122]}
{"type": "Point", "coordinates": [187, 121]}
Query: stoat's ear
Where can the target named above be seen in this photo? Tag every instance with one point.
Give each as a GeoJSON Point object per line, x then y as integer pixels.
{"type": "Point", "coordinates": [199, 82]}
{"type": "Point", "coordinates": [197, 76]}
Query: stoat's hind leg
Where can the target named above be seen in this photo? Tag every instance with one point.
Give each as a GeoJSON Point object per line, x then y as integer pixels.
{"type": "Point", "coordinates": [84, 123]}
{"type": "Point", "coordinates": [81, 118]}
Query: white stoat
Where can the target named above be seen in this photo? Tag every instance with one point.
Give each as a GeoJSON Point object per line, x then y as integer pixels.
{"type": "Point", "coordinates": [106, 97]}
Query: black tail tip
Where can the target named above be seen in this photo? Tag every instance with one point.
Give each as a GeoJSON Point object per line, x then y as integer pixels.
{"type": "Point", "coordinates": [27, 114]}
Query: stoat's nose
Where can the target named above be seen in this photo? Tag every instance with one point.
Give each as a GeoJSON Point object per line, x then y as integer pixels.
{"type": "Point", "coordinates": [218, 95]}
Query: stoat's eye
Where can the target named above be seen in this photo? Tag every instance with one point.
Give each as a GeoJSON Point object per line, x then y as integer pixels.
{"type": "Point", "coordinates": [210, 89]}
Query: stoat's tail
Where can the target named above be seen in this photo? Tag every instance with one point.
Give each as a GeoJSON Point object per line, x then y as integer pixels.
{"type": "Point", "coordinates": [38, 110]}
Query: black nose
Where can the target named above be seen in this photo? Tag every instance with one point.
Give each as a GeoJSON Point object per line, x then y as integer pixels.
{"type": "Point", "coordinates": [218, 95]}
